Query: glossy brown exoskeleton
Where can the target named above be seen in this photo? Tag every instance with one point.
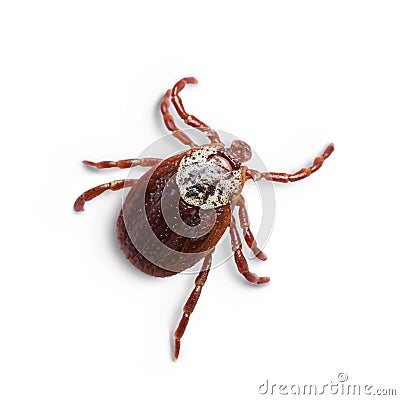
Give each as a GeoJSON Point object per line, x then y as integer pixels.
{"type": "Point", "coordinates": [176, 213]}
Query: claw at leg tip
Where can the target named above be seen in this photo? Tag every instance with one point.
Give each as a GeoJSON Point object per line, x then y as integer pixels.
{"type": "Point", "coordinates": [261, 256]}
{"type": "Point", "coordinates": [191, 79]}
{"type": "Point", "coordinates": [86, 162]}
{"type": "Point", "coordinates": [79, 205]}
{"type": "Point", "coordinates": [176, 349]}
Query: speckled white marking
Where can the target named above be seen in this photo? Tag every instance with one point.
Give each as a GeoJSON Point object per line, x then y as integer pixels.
{"type": "Point", "coordinates": [206, 179]}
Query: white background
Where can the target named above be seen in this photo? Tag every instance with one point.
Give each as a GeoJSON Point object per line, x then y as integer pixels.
{"type": "Point", "coordinates": [83, 80]}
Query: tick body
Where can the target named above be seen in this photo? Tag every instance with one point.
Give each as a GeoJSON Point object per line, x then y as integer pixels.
{"type": "Point", "coordinates": [176, 213]}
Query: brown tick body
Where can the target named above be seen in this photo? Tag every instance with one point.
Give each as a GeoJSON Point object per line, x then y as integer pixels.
{"type": "Point", "coordinates": [176, 213]}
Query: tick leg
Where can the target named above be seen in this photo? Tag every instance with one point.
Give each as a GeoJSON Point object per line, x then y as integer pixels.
{"type": "Point", "coordinates": [98, 190]}
{"type": "Point", "coordinates": [285, 178]}
{"type": "Point", "coordinates": [170, 123]}
{"type": "Point", "coordinates": [133, 162]}
{"type": "Point", "coordinates": [240, 260]}
{"type": "Point", "coordinates": [191, 120]}
{"type": "Point", "coordinates": [191, 303]}
{"type": "Point", "coordinates": [245, 225]}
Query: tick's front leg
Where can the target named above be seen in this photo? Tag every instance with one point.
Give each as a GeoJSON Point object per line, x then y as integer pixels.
{"type": "Point", "coordinates": [189, 119]}
{"type": "Point", "coordinates": [284, 177]}
{"type": "Point", "coordinates": [170, 122]}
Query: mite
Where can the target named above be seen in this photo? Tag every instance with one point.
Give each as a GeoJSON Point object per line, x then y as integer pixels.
{"type": "Point", "coordinates": [176, 213]}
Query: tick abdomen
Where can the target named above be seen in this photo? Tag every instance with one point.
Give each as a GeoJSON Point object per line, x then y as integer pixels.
{"type": "Point", "coordinates": [159, 232]}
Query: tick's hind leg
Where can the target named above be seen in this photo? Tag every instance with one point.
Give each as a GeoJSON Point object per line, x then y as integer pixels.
{"type": "Point", "coordinates": [248, 235]}
{"type": "Point", "coordinates": [191, 303]}
{"type": "Point", "coordinates": [191, 120]}
{"type": "Point", "coordinates": [240, 260]}
{"type": "Point", "coordinates": [170, 123]}
{"type": "Point", "coordinates": [98, 190]}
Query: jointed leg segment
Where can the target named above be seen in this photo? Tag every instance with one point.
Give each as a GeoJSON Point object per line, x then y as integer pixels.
{"type": "Point", "coordinates": [285, 178]}
{"type": "Point", "coordinates": [191, 120]}
{"type": "Point", "coordinates": [133, 162]}
{"type": "Point", "coordinates": [170, 123]}
{"type": "Point", "coordinates": [240, 259]}
{"type": "Point", "coordinates": [98, 190]}
{"type": "Point", "coordinates": [191, 303]}
{"type": "Point", "coordinates": [248, 235]}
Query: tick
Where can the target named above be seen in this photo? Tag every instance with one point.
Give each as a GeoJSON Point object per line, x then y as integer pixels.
{"type": "Point", "coordinates": [175, 214]}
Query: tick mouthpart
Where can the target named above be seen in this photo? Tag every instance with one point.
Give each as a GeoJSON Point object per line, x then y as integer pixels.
{"type": "Point", "coordinates": [239, 151]}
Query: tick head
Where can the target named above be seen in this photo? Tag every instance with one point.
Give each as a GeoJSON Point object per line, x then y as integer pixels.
{"type": "Point", "coordinates": [239, 151]}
